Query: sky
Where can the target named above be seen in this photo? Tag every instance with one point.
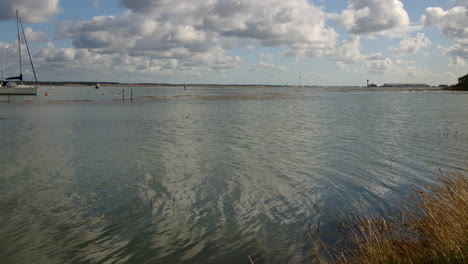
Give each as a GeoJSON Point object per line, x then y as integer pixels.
{"type": "Point", "coordinates": [273, 42]}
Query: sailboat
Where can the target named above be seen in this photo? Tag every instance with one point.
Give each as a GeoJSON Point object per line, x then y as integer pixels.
{"type": "Point", "coordinates": [10, 85]}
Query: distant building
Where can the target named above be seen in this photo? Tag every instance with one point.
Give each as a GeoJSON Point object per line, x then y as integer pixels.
{"type": "Point", "coordinates": [371, 84]}
{"type": "Point", "coordinates": [405, 85]}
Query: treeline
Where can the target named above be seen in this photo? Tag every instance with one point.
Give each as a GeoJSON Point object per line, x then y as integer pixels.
{"type": "Point", "coordinates": [462, 84]}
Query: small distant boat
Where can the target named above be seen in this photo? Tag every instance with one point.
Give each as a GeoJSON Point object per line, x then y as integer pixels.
{"type": "Point", "coordinates": [97, 85]}
{"type": "Point", "coordinates": [10, 86]}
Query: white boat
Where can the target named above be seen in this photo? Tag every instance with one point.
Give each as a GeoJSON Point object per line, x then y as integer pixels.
{"type": "Point", "coordinates": [10, 86]}
{"type": "Point", "coordinates": [18, 89]}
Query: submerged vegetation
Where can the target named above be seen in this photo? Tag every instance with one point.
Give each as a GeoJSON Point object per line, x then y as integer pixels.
{"type": "Point", "coordinates": [432, 228]}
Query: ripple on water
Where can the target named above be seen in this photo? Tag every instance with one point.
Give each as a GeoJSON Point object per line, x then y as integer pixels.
{"type": "Point", "coordinates": [196, 179]}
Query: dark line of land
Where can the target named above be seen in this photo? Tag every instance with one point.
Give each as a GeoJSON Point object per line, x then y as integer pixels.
{"type": "Point", "coordinates": [461, 86]}
{"type": "Point", "coordinates": [81, 83]}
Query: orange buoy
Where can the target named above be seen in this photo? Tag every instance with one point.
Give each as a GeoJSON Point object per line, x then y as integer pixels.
{"type": "Point", "coordinates": [46, 94]}
{"type": "Point", "coordinates": [103, 94]}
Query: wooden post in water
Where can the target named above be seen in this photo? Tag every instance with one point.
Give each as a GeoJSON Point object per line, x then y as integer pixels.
{"type": "Point", "coordinates": [173, 205]}
{"type": "Point", "coordinates": [131, 94]}
{"type": "Point", "coordinates": [123, 95]}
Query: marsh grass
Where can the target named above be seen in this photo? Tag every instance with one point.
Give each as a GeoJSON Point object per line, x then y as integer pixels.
{"type": "Point", "coordinates": [432, 228]}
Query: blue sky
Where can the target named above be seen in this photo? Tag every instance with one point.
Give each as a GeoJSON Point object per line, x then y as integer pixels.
{"type": "Point", "coordinates": [293, 42]}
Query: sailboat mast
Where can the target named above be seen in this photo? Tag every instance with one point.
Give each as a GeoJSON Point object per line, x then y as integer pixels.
{"type": "Point", "coordinates": [27, 47]}
{"type": "Point", "coordinates": [19, 45]}
{"type": "Point", "coordinates": [3, 67]}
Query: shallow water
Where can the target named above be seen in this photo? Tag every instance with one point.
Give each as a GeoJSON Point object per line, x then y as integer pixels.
{"type": "Point", "coordinates": [210, 175]}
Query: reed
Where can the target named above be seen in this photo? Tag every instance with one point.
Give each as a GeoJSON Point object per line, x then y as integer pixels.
{"type": "Point", "coordinates": [433, 228]}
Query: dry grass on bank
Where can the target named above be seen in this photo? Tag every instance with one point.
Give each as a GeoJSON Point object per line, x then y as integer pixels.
{"type": "Point", "coordinates": [435, 232]}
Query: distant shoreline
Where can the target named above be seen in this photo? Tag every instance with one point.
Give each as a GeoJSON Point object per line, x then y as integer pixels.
{"type": "Point", "coordinates": [456, 87]}
{"type": "Point", "coordinates": [45, 83]}
{"type": "Point", "coordinates": [103, 84]}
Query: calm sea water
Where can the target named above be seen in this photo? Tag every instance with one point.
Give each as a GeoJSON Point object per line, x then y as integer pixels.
{"type": "Point", "coordinates": [211, 175]}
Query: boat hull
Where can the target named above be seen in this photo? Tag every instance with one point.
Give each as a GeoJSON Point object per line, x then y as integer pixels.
{"type": "Point", "coordinates": [24, 90]}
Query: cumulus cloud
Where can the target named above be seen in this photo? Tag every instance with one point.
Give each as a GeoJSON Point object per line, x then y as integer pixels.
{"type": "Point", "coordinates": [9, 59]}
{"type": "Point", "coordinates": [35, 36]}
{"type": "Point", "coordinates": [53, 63]}
{"type": "Point", "coordinates": [412, 45]}
{"type": "Point", "coordinates": [404, 62]}
{"type": "Point", "coordinates": [144, 36]}
{"type": "Point", "coordinates": [454, 25]}
{"type": "Point", "coordinates": [458, 54]}
{"type": "Point", "coordinates": [7, 51]}
{"type": "Point", "coordinates": [272, 22]}
{"type": "Point", "coordinates": [34, 11]}
{"type": "Point", "coordinates": [349, 58]}
{"type": "Point", "coordinates": [373, 16]}
{"type": "Point", "coordinates": [266, 56]}
{"type": "Point", "coordinates": [199, 31]}
{"type": "Point", "coordinates": [268, 66]}
{"type": "Point", "coordinates": [407, 71]}
{"type": "Point", "coordinates": [378, 63]}
{"type": "Point", "coordinates": [87, 63]}
{"type": "Point", "coordinates": [349, 50]}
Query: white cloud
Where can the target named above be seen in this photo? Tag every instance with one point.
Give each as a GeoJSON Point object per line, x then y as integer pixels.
{"type": "Point", "coordinates": [454, 25]}
{"type": "Point", "coordinates": [266, 56]}
{"type": "Point", "coordinates": [35, 11]}
{"type": "Point", "coordinates": [456, 61]}
{"type": "Point", "coordinates": [268, 66]}
{"type": "Point", "coordinates": [164, 37]}
{"type": "Point", "coordinates": [349, 50]}
{"type": "Point", "coordinates": [272, 22]}
{"type": "Point", "coordinates": [402, 32]}
{"type": "Point", "coordinates": [349, 59]}
{"type": "Point", "coordinates": [136, 35]}
{"type": "Point", "coordinates": [402, 70]}
{"type": "Point", "coordinates": [458, 54]}
{"type": "Point", "coordinates": [53, 63]}
{"type": "Point", "coordinates": [343, 67]}
{"type": "Point", "coordinates": [35, 36]}
{"type": "Point", "coordinates": [412, 45]}
{"type": "Point", "coordinates": [404, 62]}
{"type": "Point", "coordinates": [195, 30]}
{"type": "Point", "coordinates": [373, 16]}
{"type": "Point", "coordinates": [378, 63]}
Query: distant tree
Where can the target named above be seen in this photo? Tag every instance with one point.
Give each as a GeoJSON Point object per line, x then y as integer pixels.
{"type": "Point", "coordinates": [461, 86]}
{"type": "Point", "coordinates": [463, 80]}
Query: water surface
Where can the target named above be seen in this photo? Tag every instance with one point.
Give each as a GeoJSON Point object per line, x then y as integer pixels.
{"type": "Point", "coordinates": [210, 175]}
